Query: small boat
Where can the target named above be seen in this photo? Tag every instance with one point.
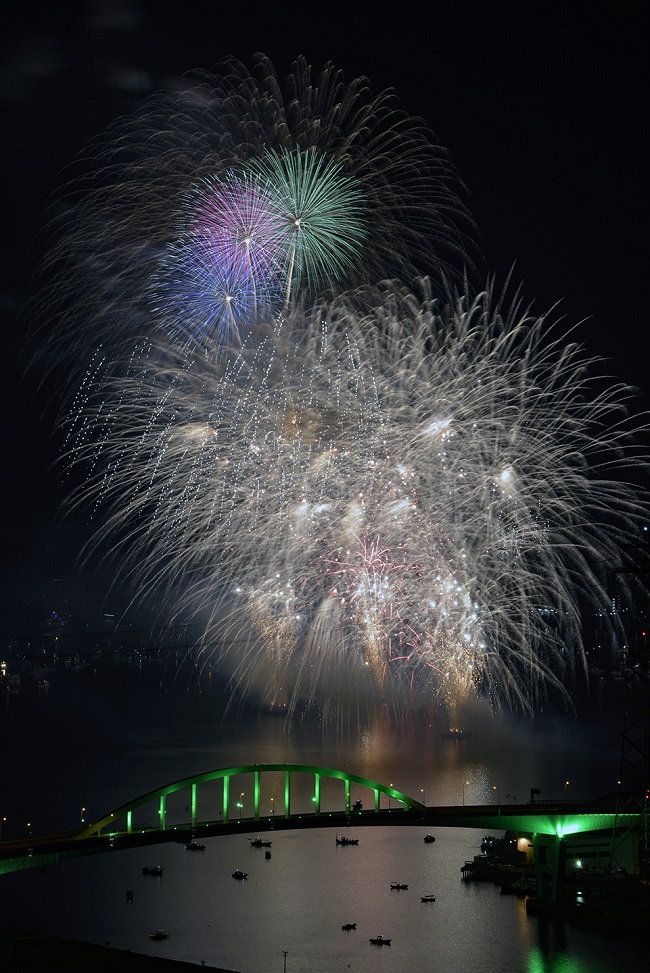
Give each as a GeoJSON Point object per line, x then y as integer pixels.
{"type": "Point", "coordinates": [348, 925]}
{"type": "Point", "coordinates": [342, 840]}
{"type": "Point", "coordinates": [239, 874]}
{"type": "Point", "coordinates": [429, 839]}
{"type": "Point", "coordinates": [152, 869]}
{"type": "Point", "coordinates": [456, 733]}
{"type": "Point", "coordinates": [267, 855]}
{"type": "Point", "coordinates": [259, 843]}
{"type": "Point", "coordinates": [194, 846]}
{"type": "Point", "coordinates": [398, 885]}
{"type": "Point", "coordinates": [379, 941]}
{"type": "Point", "coordinates": [428, 898]}
{"type": "Point", "coordinates": [158, 934]}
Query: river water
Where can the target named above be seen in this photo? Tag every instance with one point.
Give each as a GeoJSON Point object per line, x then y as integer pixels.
{"type": "Point", "coordinates": [100, 736]}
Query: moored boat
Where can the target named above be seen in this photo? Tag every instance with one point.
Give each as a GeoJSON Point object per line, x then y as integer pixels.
{"type": "Point", "coordinates": [398, 885]}
{"type": "Point", "coordinates": [428, 898]}
{"type": "Point", "coordinates": [158, 934]}
{"type": "Point", "coordinates": [194, 846]}
{"type": "Point", "coordinates": [379, 941]}
{"type": "Point", "coordinates": [429, 839]}
{"type": "Point", "coordinates": [152, 869]}
{"type": "Point", "coordinates": [239, 874]}
{"type": "Point", "coordinates": [349, 925]}
{"type": "Point", "coordinates": [342, 840]}
{"type": "Point", "coordinates": [259, 843]}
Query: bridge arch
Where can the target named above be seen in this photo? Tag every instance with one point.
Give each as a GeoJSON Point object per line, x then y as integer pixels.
{"type": "Point", "coordinates": [109, 822]}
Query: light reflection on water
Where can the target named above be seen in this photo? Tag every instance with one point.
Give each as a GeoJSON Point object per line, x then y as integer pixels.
{"type": "Point", "coordinates": [299, 899]}
{"type": "Point", "coordinates": [101, 742]}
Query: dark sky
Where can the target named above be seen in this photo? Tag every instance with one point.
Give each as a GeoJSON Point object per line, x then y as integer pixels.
{"type": "Point", "coordinates": [543, 106]}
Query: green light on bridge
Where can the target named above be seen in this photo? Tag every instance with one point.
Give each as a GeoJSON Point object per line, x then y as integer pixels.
{"type": "Point", "coordinates": [571, 826]}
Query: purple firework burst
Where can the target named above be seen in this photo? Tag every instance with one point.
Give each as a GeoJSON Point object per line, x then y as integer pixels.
{"type": "Point", "coordinates": [222, 273]}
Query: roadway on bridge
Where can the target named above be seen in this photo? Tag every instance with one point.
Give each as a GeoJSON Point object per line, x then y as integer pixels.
{"type": "Point", "coordinates": [559, 817]}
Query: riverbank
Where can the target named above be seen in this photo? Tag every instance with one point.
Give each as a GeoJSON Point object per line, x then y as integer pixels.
{"type": "Point", "coordinates": [22, 952]}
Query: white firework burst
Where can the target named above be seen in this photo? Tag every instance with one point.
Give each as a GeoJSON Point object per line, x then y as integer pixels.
{"type": "Point", "coordinates": [383, 500]}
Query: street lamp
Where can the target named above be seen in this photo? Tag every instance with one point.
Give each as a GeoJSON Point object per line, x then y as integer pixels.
{"type": "Point", "coordinates": [495, 788]}
{"type": "Point", "coordinates": [2, 821]}
{"type": "Point", "coordinates": [566, 784]}
{"type": "Point", "coordinates": [83, 811]}
{"type": "Point", "coordinates": [465, 782]}
{"type": "Point", "coordinates": [390, 785]}
{"type": "Point", "coordinates": [284, 953]}
{"type": "Point", "coordinates": [272, 808]}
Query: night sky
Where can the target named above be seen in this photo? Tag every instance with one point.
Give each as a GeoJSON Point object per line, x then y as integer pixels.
{"type": "Point", "coordinates": [545, 114]}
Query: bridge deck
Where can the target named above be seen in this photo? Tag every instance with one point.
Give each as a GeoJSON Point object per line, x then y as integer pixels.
{"type": "Point", "coordinates": [554, 819]}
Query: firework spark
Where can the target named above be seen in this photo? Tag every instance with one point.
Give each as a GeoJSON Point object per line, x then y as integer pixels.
{"type": "Point", "coordinates": [384, 499]}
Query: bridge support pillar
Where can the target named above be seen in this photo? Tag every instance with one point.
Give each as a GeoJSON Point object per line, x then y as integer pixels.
{"type": "Point", "coordinates": [256, 795]}
{"type": "Point", "coordinates": [287, 793]}
{"type": "Point", "coordinates": [162, 811]}
{"type": "Point", "coordinates": [347, 795]}
{"type": "Point", "coordinates": [193, 805]}
{"type": "Point", "coordinates": [226, 795]}
{"type": "Point", "coordinates": [550, 853]}
{"type": "Point", "coordinates": [317, 793]}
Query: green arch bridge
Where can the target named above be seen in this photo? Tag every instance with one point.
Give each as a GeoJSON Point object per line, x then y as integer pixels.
{"type": "Point", "coordinates": [311, 797]}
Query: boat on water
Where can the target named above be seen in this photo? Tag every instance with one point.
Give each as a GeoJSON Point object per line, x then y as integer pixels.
{"type": "Point", "coordinates": [267, 854]}
{"type": "Point", "coordinates": [428, 898]}
{"type": "Point", "coordinates": [379, 941]}
{"type": "Point", "coordinates": [348, 925]}
{"type": "Point", "coordinates": [342, 840]}
{"type": "Point", "coordinates": [239, 874]}
{"type": "Point", "coordinates": [158, 934]}
{"type": "Point", "coordinates": [152, 869]}
{"type": "Point", "coordinates": [429, 839]}
{"type": "Point", "coordinates": [456, 733]}
{"type": "Point", "coordinates": [194, 846]}
{"type": "Point", "coordinates": [398, 885]}
{"type": "Point", "coordinates": [259, 843]}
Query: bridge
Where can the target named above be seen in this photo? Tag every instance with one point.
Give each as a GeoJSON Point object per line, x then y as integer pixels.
{"type": "Point", "coordinates": [213, 803]}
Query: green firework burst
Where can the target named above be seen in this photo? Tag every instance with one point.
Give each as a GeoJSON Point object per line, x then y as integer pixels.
{"type": "Point", "coordinates": [322, 215]}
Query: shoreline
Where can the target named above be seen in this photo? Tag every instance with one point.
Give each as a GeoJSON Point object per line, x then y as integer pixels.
{"type": "Point", "coordinates": [26, 952]}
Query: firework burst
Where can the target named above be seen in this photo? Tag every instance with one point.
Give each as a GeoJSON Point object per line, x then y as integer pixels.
{"type": "Point", "coordinates": [234, 190]}
{"type": "Point", "coordinates": [321, 213]}
{"type": "Point", "coordinates": [390, 498]}
{"type": "Point", "coordinates": [222, 274]}
{"type": "Point", "coordinates": [366, 493]}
